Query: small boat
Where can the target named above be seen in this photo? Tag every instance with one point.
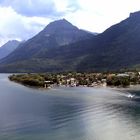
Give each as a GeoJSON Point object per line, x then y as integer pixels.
{"type": "Point", "coordinates": [130, 95]}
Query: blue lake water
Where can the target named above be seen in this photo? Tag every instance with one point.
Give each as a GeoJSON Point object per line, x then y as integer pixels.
{"type": "Point", "coordinates": [67, 113]}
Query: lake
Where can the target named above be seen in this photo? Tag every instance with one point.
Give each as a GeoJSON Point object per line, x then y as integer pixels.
{"type": "Point", "coordinates": [67, 113]}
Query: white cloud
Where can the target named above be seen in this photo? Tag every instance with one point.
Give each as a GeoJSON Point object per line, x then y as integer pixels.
{"type": "Point", "coordinates": [98, 15]}
{"type": "Point", "coordinates": [42, 8]}
{"type": "Point", "coordinates": [15, 26]}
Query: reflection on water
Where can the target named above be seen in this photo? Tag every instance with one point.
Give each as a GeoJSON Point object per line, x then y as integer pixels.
{"type": "Point", "coordinates": [67, 113]}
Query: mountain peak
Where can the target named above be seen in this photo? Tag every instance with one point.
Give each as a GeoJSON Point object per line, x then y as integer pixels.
{"type": "Point", "coordinates": [59, 25]}
{"type": "Point", "coordinates": [61, 21]}
{"type": "Point", "coordinates": [62, 32]}
{"type": "Point", "coordinates": [8, 47]}
{"type": "Point", "coordinates": [13, 41]}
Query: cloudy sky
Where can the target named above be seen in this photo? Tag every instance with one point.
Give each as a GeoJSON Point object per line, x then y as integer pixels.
{"type": "Point", "coordinates": [22, 19]}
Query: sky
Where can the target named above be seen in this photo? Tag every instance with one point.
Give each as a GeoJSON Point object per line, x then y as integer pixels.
{"type": "Point", "coordinates": [22, 19]}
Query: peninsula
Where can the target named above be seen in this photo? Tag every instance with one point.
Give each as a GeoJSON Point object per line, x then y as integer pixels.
{"type": "Point", "coordinates": [73, 79]}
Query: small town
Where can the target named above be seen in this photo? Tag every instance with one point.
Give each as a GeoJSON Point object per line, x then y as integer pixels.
{"type": "Point", "coordinates": [74, 79]}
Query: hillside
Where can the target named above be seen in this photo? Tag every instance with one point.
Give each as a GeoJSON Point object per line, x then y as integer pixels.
{"type": "Point", "coordinates": [118, 46]}
{"type": "Point", "coordinates": [8, 47]}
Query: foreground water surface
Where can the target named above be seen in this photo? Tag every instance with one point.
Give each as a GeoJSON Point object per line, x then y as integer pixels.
{"type": "Point", "coordinates": [67, 113]}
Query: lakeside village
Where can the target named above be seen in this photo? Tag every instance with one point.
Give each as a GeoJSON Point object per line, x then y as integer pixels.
{"type": "Point", "coordinates": [78, 79]}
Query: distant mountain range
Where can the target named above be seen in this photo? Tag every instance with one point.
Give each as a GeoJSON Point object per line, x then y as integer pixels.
{"type": "Point", "coordinates": [63, 47]}
{"type": "Point", "coordinates": [9, 47]}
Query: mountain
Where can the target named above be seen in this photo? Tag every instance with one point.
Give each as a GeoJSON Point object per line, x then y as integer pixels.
{"type": "Point", "coordinates": [34, 54]}
{"type": "Point", "coordinates": [53, 49]}
{"type": "Point", "coordinates": [118, 46]}
{"type": "Point", "coordinates": [57, 33]}
{"type": "Point", "coordinates": [7, 48]}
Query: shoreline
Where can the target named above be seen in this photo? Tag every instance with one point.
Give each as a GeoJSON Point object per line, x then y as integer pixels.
{"type": "Point", "coordinates": [93, 80]}
{"type": "Point", "coordinates": [129, 88]}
